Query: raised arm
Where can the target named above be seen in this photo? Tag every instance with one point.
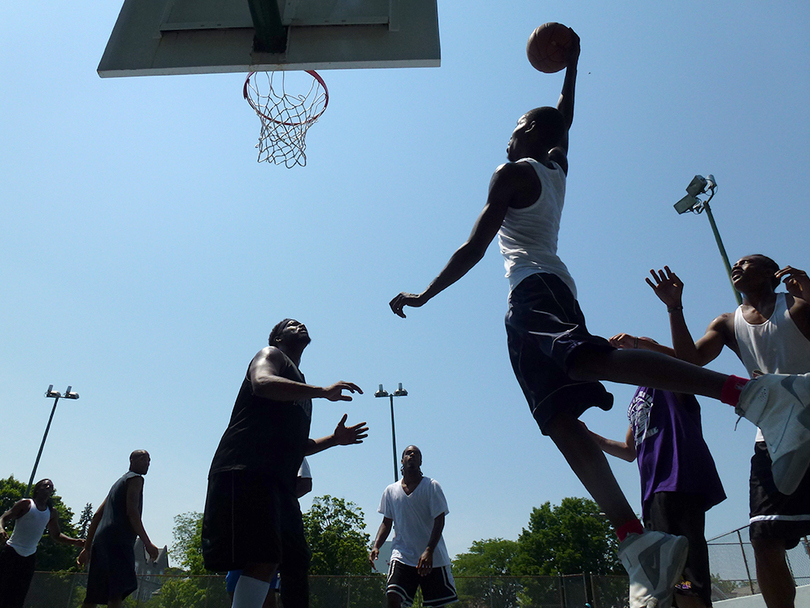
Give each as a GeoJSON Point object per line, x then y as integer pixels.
{"type": "Point", "coordinates": [266, 382]}
{"type": "Point", "coordinates": [669, 289]}
{"type": "Point", "coordinates": [382, 533]}
{"type": "Point", "coordinates": [510, 183]}
{"type": "Point", "coordinates": [566, 102]}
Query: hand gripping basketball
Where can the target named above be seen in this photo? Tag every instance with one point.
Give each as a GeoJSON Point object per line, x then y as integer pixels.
{"type": "Point", "coordinates": [549, 46]}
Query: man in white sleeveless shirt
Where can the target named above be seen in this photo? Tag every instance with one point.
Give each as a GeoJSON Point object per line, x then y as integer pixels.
{"type": "Point", "coordinates": [559, 364]}
{"type": "Point", "coordinates": [18, 555]}
{"type": "Point", "coordinates": [770, 333]}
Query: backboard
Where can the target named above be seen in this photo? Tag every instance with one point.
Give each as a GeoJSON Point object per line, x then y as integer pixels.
{"type": "Point", "coordinates": [153, 37]}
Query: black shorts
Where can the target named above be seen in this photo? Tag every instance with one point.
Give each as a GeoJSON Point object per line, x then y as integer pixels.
{"type": "Point", "coordinates": [438, 587]}
{"type": "Point", "coordinates": [545, 328]}
{"type": "Point", "coordinates": [775, 515]}
{"type": "Point", "coordinates": [684, 515]}
{"type": "Point", "coordinates": [251, 518]}
{"type": "Point", "coordinates": [16, 573]}
{"type": "Point", "coordinates": [111, 573]}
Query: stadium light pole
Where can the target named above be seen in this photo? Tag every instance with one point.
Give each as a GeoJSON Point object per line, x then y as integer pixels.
{"type": "Point", "coordinates": [56, 396]}
{"type": "Point", "coordinates": [400, 392]}
{"type": "Point", "coordinates": [691, 202]}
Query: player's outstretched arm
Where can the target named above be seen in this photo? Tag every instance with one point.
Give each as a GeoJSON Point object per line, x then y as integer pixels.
{"type": "Point", "coordinates": [508, 184]}
{"type": "Point", "coordinates": [343, 435]}
{"type": "Point", "coordinates": [266, 381]}
{"type": "Point", "coordinates": [625, 450]}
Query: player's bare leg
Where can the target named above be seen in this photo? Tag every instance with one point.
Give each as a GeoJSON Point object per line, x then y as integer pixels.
{"type": "Point", "coordinates": [589, 464]}
{"type": "Point", "coordinates": [773, 575]}
{"type": "Point", "coordinates": [646, 368]}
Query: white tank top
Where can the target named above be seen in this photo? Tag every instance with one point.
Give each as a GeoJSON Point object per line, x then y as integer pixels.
{"type": "Point", "coordinates": [776, 346]}
{"type": "Point", "coordinates": [28, 530]}
{"type": "Point", "coordinates": [528, 236]}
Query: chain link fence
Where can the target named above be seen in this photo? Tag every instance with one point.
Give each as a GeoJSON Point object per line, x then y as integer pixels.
{"type": "Point", "coordinates": [731, 560]}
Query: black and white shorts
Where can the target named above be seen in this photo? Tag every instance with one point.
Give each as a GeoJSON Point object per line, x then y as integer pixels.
{"type": "Point", "coordinates": [545, 328]}
{"type": "Point", "coordinates": [438, 587]}
{"type": "Point", "coordinates": [773, 514]}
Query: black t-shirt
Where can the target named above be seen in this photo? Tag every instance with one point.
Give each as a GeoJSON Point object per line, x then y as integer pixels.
{"type": "Point", "coordinates": [264, 435]}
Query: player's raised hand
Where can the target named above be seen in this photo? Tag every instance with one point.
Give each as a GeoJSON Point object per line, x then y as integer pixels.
{"type": "Point", "coordinates": [403, 300]}
{"type": "Point", "coordinates": [350, 435]}
{"type": "Point", "coordinates": [796, 281]}
{"type": "Point", "coordinates": [335, 391]}
{"type": "Point", "coordinates": [667, 286]}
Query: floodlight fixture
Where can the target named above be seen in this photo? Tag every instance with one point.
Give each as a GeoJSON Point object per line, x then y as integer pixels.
{"type": "Point", "coordinates": [705, 185]}
{"type": "Point", "coordinates": [400, 392]}
{"type": "Point", "coordinates": [56, 396]}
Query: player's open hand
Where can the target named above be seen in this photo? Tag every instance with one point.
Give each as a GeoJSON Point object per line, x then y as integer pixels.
{"type": "Point", "coordinates": [403, 300]}
{"type": "Point", "coordinates": [796, 281]}
{"type": "Point", "coordinates": [350, 435]}
{"type": "Point", "coordinates": [335, 392]}
{"type": "Point", "coordinates": [667, 286]}
{"type": "Point", "coordinates": [84, 557]}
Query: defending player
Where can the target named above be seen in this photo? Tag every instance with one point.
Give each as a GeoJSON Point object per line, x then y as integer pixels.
{"type": "Point", "coordinates": [415, 506]}
{"type": "Point", "coordinates": [557, 362]}
{"type": "Point", "coordinates": [769, 332]}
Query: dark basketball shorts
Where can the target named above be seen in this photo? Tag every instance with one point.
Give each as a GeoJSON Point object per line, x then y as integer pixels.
{"type": "Point", "coordinates": [545, 330]}
{"type": "Point", "coordinates": [111, 573]}
{"type": "Point", "coordinates": [251, 518]}
{"type": "Point", "coordinates": [438, 587]}
{"type": "Point", "coordinates": [684, 514]}
{"type": "Point", "coordinates": [775, 515]}
{"type": "Point", "coordinates": [16, 573]}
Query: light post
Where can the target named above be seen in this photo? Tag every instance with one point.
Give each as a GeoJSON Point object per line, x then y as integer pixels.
{"type": "Point", "coordinates": [400, 392]}
{"type": "Point", "coordinates": [691, 202]}
{"type": "Point", "coordinates": [55, 395]}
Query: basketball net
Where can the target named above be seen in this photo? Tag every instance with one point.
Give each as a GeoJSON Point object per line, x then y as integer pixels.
{"type": "Point", "coordinates": [285, 116]}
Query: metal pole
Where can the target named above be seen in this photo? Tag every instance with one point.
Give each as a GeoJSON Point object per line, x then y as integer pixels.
{"type": "Point", "coordinates": [745, 563]}
{"type": "Point", "coordinates": [722, 249]}
{"type": "Point", "coordinates": [394, 439]}
{"type": "Point", "coordinates": [42, 445]}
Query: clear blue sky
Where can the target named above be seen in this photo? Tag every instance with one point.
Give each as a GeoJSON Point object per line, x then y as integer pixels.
{"type": "Point", "coordinates": [146, 254]}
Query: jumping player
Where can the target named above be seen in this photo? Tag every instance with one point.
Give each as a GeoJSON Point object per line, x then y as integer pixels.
{"type": "Point", "coordinates": [557, 362]}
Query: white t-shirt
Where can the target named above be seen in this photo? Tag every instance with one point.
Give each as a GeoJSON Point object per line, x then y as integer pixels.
{"type": "Point", "coordinates": [303, 471]}
{"type": "Point", "coordinates": [413, 515]}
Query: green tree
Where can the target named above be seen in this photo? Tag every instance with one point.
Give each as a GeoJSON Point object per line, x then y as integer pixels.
{"type": "Point", "coordinates": [84, 520]}
{"type": "Point", "coordinates": [50, 554]}
{"type": "Point", "coordinates": [187, 546]}
{"type": "Point", "coordinates": [486, 559]}
{"type": "Point", "coordinates": [571, 538]}
{"type": "Point", "coordinates": [334, 529]}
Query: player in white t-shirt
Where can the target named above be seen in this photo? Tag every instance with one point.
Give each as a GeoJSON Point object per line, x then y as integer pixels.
{"type": "Point", "coordinates": [416, 507]}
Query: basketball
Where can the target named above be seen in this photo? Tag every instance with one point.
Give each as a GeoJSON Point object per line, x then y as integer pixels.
{"type": "Point", "coordinates": [548, 46]}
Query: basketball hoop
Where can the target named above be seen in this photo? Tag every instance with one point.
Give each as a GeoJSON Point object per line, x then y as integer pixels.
{"type": "Point", "coordinates": [285, 116]}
